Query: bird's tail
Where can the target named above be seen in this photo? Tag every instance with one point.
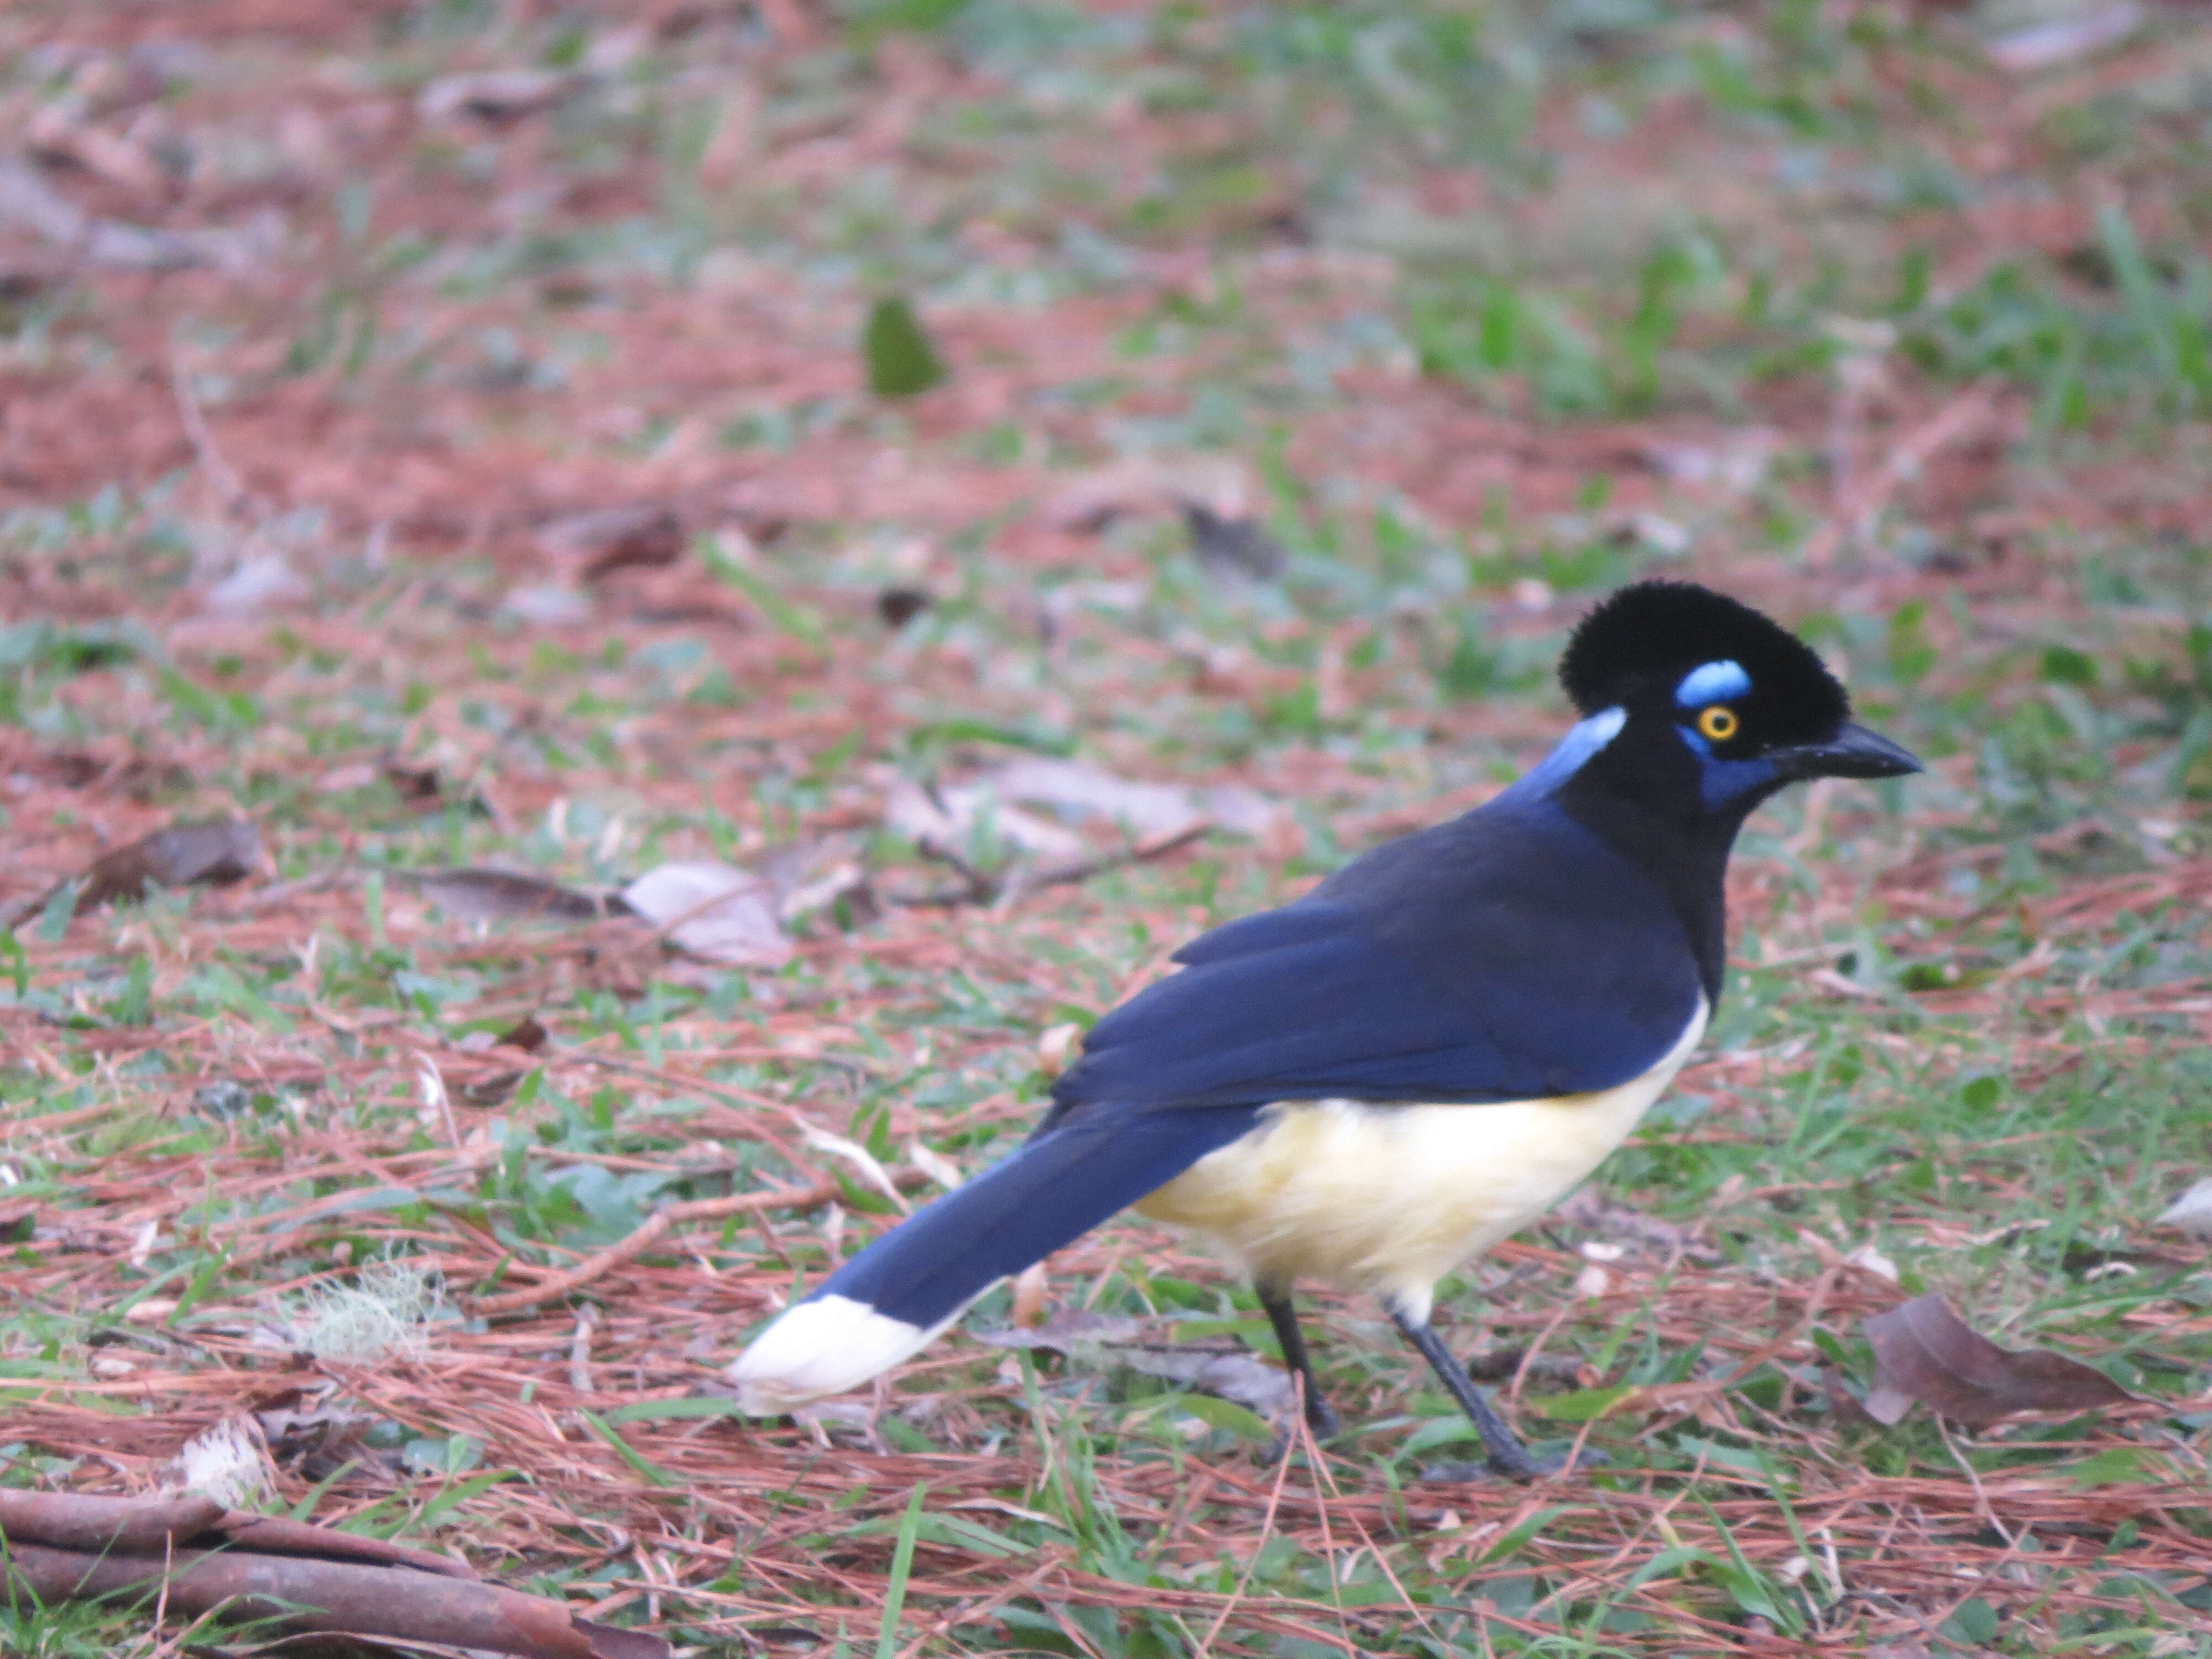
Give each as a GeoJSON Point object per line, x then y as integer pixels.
{"type": "Point", "coordinates": [894, 1297]}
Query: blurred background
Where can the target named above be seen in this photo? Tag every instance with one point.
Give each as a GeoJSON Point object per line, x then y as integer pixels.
{"type": "Point", "coordinates": [625, 603]}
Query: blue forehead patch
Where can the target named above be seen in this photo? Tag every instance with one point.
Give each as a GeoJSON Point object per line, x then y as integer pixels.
{"type": "Point", "coordinates": [1715, 682]}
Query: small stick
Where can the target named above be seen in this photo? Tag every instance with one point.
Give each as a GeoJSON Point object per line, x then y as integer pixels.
{"type": "Point", "coordinates": [579, 1348]}
{"type": "Point", "coordinates": [983, 887]}
{"type": "Point", "coordinates": [1858, 507]}
{"type": "Point", "coordinates": [229, 487]}
{"type": "Point", "coordinates": [655, 1227]}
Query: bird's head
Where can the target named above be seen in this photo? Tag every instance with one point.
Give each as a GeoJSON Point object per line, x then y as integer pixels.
{"type": "Point", "coordinates": [1693, 698]}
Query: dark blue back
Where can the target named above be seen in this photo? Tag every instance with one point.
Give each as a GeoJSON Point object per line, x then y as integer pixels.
{"type": "Point", "coordinates": [1508, 955]}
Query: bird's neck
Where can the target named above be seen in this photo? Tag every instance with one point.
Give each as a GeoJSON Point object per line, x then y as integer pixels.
{"type": "Point", "coordinates": [1674, 840]}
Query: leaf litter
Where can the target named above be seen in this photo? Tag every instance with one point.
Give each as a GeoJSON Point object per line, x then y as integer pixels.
{"type": "Point", "coordinates": [442, 374]}
{"type": "Point", "coordinates": [1924, 1351]}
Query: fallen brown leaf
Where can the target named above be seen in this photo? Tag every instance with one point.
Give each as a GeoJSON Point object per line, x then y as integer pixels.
{"type": "Point", "coordinates": [1238, 549]}
{"type": "Point", "coordinates": [1074, 790]}
{"type": "Point", "coordinates": [526, 1034]}
{"type": "Point", "coordinates": [483, 894]}
{"type": "Point", "coordinates": [1226, 1369]}
{"type": "Point", "coordinates": [898, 606]}
{"type": "Point", "coordinates": [1923, 1350]}
{"type": "Point", "coordinates": [215, 853]}
{"type": "Point", "coordinates": [949, 818]}
{"type": "Point", "coordinates": [714, 911]}
{"type": "Point", "coordinates": [1094, 500]}
{"type": "Point", "coordinates": [810, 876]}
{"type": "Point", "coordinates": [645, 535]}
{"type": "Point", "coordinates": [2045, 45]}
{"type": "Point", "coordinates": [29, 201]}
{"type": "Point", "coordinates": [494, 94]}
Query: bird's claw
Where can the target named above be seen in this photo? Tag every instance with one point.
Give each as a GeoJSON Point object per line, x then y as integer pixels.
{"type": "Point", "coordinates": [1322, 1422]}
{"type": "Point", "coordinates": [1528, 1466]}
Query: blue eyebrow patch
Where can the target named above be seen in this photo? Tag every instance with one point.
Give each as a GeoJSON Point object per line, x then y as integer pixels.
{"type": "Point", "coordinates": [1715, 682]}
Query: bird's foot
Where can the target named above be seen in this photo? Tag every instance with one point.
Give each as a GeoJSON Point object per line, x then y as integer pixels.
{"type": "Point", "coordinates": [1520, 1464]}
{"type": "Point", "coordinates": [1322, 1422]}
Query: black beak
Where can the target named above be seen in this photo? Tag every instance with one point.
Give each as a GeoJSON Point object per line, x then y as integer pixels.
{"type": "Point", "coordinates": [1853, 752]}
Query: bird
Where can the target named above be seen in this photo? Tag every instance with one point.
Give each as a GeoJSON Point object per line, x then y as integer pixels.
{"type": "Point", "coordinates": [1374, 1083]}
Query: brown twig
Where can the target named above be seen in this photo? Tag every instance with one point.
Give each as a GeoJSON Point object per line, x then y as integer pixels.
{"type": "Point", "coordinates": [984, 887]}
{"type": "Point", "coordinates": [230, 489]}
{"type": "Point", "coordinates": [656, 1227]}
{"type": "Point", "coordinates": [198, 1558]}
{"type": "Point", "coordinates": [1860, 502]}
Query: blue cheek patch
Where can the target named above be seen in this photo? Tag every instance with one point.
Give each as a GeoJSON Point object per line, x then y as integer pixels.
{"type": "Point", "coordinates": [1720, 781]}
{"type": "Point", "coordinates": [1717, 681]}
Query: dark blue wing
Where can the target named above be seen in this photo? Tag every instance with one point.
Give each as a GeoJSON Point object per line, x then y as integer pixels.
{"type": "Point", "coordinates": [1508, 955]}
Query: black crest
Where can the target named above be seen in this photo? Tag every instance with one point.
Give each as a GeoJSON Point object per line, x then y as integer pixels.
{"type": "Point", "coordinates": [1640, 642]}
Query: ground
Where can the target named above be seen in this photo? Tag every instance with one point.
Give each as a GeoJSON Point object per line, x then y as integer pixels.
{"type": "Point", "coordinates": [441, 436]}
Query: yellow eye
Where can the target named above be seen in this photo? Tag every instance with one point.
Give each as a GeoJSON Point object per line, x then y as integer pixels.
{"type": "Point", "coordinates": [1716, 724]}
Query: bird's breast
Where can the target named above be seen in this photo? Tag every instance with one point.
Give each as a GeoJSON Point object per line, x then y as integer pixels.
{"type": "Point", "coordinates": [1388, 1199]}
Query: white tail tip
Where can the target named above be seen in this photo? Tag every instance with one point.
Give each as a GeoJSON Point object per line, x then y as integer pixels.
{"type": "Point", "coordinates": [819, 1348]}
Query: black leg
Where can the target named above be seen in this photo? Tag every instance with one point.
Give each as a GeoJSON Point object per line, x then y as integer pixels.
{"type": "Point", "coordinates": [1507, 1454]}
{"type": "Point", "coordinates": [1276, 1299]}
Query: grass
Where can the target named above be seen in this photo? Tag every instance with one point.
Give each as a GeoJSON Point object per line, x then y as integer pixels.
{"type": "Point", "coordinates": [1484, 310]}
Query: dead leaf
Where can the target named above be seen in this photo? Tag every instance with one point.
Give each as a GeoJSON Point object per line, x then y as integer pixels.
{"type": "Point", "coordinates": [527, 1036]}
{"type": "Point", "coordinates": [1031, 1286]}
{"type": "Point", "coordinates": [416, 785]}
{"type": "Point", "coordinates": [953, 818]}
{"type": "Point", "coordinates": [1226, 1369]}
{"type": "Point", "coordinates": [716, 911]}
{"type": "Point", "coordinates": [1146, 809]}
{"type": "Point", "coordinates": [479, 893]}
{"type": "Point", "coordinates": [1057, 1047]}
{"type": "Point", "coordinates": [1924, 1351]}
{"type": "Point", "coordinates": [550, 604]}
{"type": "Point", "coordinates": [1873, 1261]}
{"type": "Point", "coordinates": [934, 1164]}
{"type": "Point", "coordinates": [1238, 549]}
{"type": "Point", "coordinates": [490, 1090]}
{"type": "Point", "coordinates": [259, 583]}
{"type": "Point", "coordinates": [898, 606]}
{"type": "Point", "coordinates": [27, 200]}
{"type": "Point", "coordinates": [1094, 500]}
{"type": "Point", "coordinates": [1843, 1405]}
{"type": "Point", "coordinates": [644, 536]}
{"type": "Point", "coordinates": [494, 94]}
{"type": "Point", "coordinates": [1003, 852]}
{"type": "Point", "coordinates": [2192, 1212]}
{"type": "Point", "coordinates": [24, 276]}
{"type": "Point", "coordinates": [212, 853]}
{"type": "Point", "coordinates": [60, 131]}
{"type": "Point", "coordinates": [810, 876]}
{"type": "Point", "coordinates": [2046, 46]}
{"type": "Point", "coordinates": [427, 786]}
{"type": "Point", "coordinates": [862, 1160]}
{"type": "Point", "coordinates": [227, 1461]}
{"type": "Point", "coordinates": [1590, 1210]}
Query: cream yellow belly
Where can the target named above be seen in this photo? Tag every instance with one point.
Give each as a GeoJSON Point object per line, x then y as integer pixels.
{"type": "Point", "coordinates": [1387, 1200]}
